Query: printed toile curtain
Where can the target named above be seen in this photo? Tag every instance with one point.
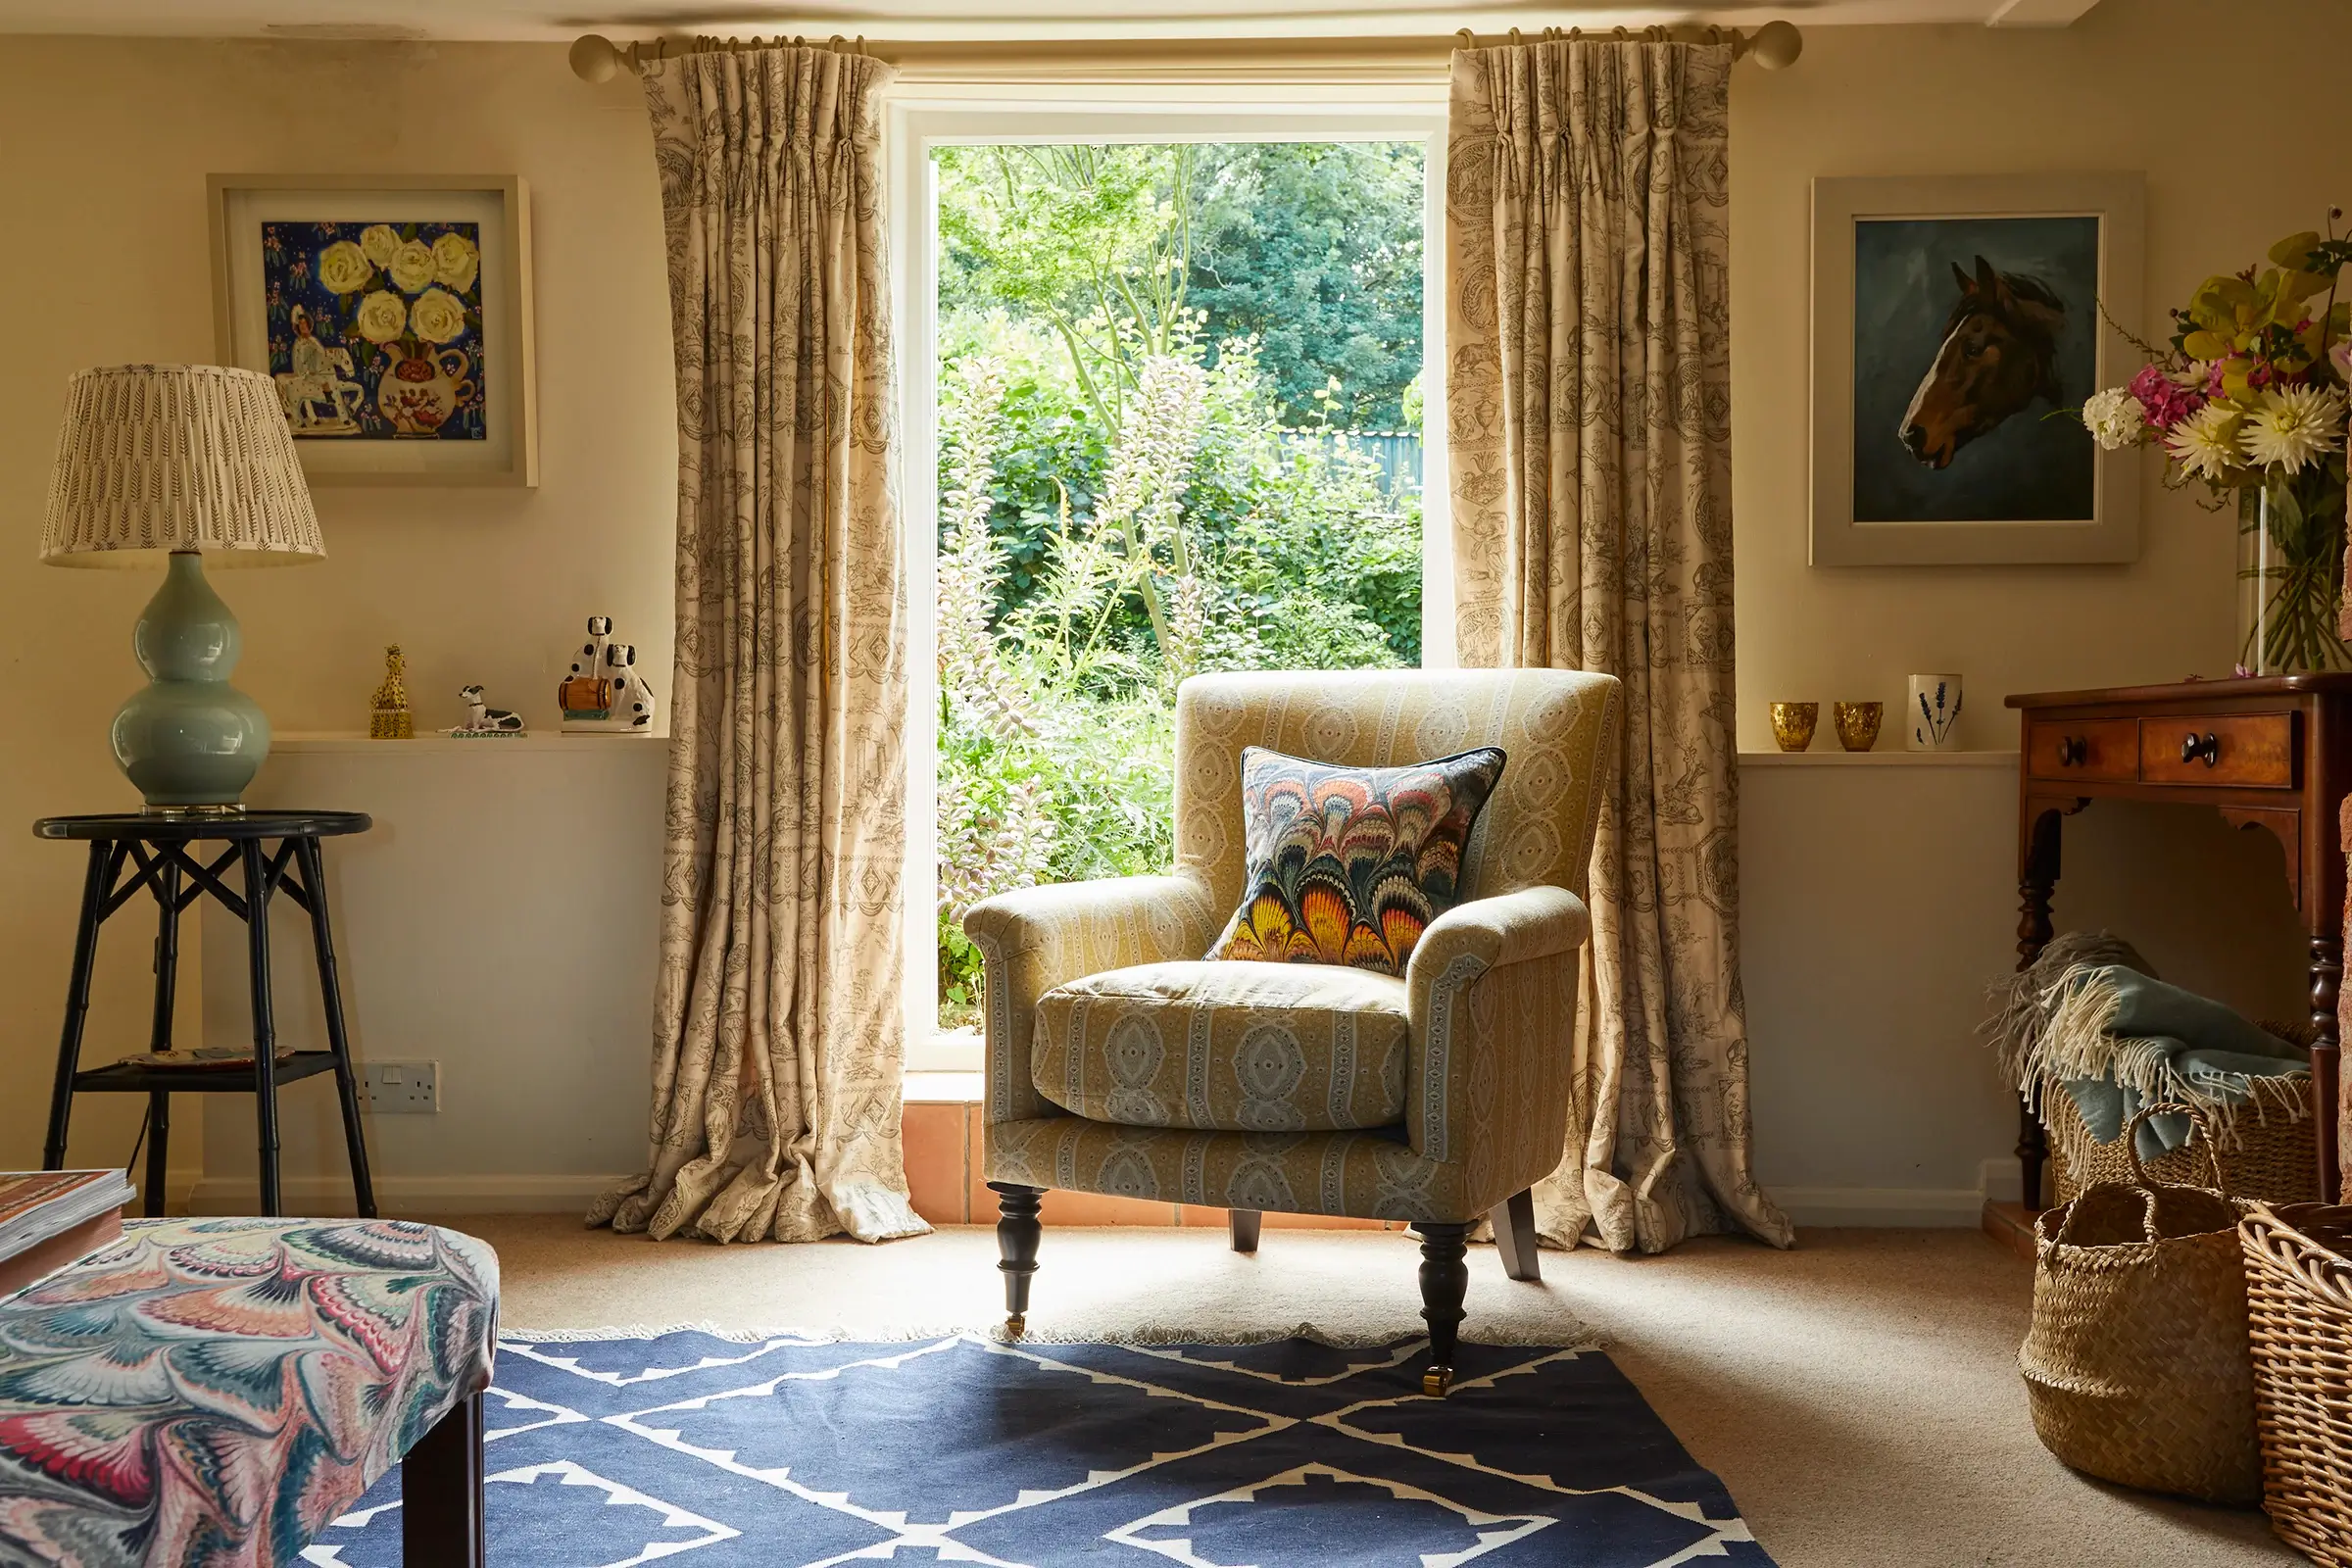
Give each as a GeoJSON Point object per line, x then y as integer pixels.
{"type": "Point", "coordinates": [1589, 427]}
{"type": "Point", "coordinates": [778, 1034]}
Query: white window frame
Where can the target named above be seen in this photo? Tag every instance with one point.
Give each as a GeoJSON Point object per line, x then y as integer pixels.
{"type": "Point", "coordinates": [916, 122]}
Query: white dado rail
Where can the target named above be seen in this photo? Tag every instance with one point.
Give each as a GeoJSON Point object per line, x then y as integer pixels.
{"type": "Point", "coordinates": [528, 743]}
{"type": "Point", "coordinates": [1831, 756]}
{"type": "Point", "coordinates": [499, 919]}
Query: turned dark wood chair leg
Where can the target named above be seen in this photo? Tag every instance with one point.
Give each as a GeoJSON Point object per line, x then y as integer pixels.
{"type": "Point", "coordinates": [1445, 1282]}
{"type": "Point", "coordinates": [441, 1492]}
{"type": "Point", "coordinates": [1514, 1220]}
{"type": "Point", "coordinates": [1017, 1236]}
{"type": "Point", "coordinates": [1245, 1224]}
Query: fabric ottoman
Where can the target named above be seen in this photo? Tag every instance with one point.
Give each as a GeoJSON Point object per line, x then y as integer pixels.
{"type": "Point", "coordinates": [212, 1393]}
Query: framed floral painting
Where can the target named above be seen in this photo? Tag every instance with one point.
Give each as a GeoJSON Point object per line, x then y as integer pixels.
{"type": "Point", "coordinates": [394, 314]}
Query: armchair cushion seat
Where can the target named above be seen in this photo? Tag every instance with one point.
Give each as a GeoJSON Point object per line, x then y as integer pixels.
{"type": "Point", "coordinates": [1227, 1045]}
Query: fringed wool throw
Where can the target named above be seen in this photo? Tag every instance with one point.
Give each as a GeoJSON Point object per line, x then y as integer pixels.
{"type": "Point", "coordinates": [2089, 1018]}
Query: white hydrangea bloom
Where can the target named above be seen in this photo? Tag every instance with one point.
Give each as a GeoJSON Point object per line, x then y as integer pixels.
{"type": "Point", "coordinates": [2115, 418]}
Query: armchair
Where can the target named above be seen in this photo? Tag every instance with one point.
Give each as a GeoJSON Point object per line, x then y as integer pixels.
{"type": "Point", "coordinates": [1120, 1061]}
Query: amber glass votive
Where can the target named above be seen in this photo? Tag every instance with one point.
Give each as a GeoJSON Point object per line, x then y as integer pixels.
{"type": "Point", "coordinates": [1858, 724]}
{"type": "Point", "coordinates": [1792, 724]}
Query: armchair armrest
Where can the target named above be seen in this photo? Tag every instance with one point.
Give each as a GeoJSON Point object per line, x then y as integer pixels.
{"type": "Point", "coordinates": [1034, 939]}
{"type": "Point", "coordinates": [1491, 991]}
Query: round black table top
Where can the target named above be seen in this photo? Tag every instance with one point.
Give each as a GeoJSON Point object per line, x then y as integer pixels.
{"type": "Point", "coordinates": [156, 827]}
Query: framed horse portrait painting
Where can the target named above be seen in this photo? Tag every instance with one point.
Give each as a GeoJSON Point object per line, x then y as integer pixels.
{"type": "Point", "coordinates": [394, 316]}
{"type": "Point", "coordinates": [1957, 324]}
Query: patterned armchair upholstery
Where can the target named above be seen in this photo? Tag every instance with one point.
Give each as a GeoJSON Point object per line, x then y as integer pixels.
{"type": "Point", "coordinates": [1121, 1062]}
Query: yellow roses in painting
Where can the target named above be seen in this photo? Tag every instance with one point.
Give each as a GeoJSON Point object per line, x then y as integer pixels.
{"type": "Point", "coordinates": [437, 316]}
{"type": "Point", "coordinates": [456, 261]}
{"type": "Point", "coordinates": [383, 317]}
{"type": "Point", "coordinates": [345, 268]}
{"type": "Point", "coordinates": [411, 266]}
{"type": "Point", "coordinates": [374, 327]}
{"type": "Point", "coordinates": [437, 273]}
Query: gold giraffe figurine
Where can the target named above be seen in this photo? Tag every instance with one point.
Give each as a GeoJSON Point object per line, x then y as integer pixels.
{"type": "Point", "coordinates": [389, 718]}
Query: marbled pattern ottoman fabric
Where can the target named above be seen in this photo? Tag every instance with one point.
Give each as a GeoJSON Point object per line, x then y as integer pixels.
{"type": "Point", "coordinates": [1245, 1047]}
{"type": "Point", "coordinates": [212, 1393]}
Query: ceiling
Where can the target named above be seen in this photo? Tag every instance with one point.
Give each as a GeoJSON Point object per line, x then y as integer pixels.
{"type": "Point", "coordinates": [563, 20]}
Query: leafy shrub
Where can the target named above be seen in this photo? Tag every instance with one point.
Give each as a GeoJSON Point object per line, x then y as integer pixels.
{"type": "Point", "coordinates": [1121, 506]}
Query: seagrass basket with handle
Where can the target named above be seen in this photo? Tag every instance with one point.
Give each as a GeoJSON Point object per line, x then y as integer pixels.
{"type": "Point", "coordinates": [2136, 1365]}
{"type": "Point", "coordinates": [2298, 1262]}
{"type": "Point", "coordinates": [2268, 1146]}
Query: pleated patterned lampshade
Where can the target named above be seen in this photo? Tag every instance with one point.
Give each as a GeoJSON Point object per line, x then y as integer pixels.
{"type": "Point", "coordinates": [159, 458]}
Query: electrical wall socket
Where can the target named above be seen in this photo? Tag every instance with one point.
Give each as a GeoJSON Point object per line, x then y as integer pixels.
{"type": "Point", "coordinates": [397, 1087]}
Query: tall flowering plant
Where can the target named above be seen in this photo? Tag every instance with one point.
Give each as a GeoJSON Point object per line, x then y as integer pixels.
{"type": "Point", "coordinates": [2248, 399]}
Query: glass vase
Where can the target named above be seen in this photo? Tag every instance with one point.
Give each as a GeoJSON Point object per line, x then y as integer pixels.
{"type": "Point", "coordinates": [2290, 572]}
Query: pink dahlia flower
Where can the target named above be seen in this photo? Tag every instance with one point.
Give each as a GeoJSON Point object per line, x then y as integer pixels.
{"type": "Point", "coordinates": [2168, 403]}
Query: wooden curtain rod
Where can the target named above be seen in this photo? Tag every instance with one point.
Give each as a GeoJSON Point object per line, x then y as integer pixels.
{"type": "Point", "coordinates": [596, 58]}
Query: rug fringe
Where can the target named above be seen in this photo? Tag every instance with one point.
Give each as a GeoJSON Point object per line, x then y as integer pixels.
{"type": "Point", "coordinates": [1509, 1336]}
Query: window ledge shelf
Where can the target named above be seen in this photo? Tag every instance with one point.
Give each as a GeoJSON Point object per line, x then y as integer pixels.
{"type": "Point", "coordinates": [1880, 758]}
{"type": "Point", "coordinates": [942, 1089]}
{"type": "Point", "coordinates": [437, 743]}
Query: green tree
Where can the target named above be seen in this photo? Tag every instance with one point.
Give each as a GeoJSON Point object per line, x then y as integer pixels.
{"type": "Point", "coordinates": [1094, 240]}
{"type": "Point", "coordinates": [1123, 502]}
{"type": "Point", "coordinates": [1314, 249]}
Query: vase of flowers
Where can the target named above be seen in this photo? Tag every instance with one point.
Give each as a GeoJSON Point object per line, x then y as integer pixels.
{"type": "Point", "coordinates": [2248, 399]}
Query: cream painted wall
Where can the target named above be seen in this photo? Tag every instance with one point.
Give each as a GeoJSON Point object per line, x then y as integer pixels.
{"type": "Point", "coordinates": [104, 148]}
{"type": "Point", "coordinates": [500, 921]}
{"type": "Point", "coordinates": [2108, 93]}
{"type": "Point", "coordinates": [1879, 898]}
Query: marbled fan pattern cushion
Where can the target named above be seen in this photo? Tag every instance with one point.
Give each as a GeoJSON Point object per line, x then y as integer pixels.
{"type": "Point", "coordinates": [1349, 866]}
{"type": "Point", "coordinates": [214, 1392]}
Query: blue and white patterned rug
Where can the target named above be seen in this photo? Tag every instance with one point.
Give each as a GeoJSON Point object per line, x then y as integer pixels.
{"type": "Point", "coordinates": [793, 1452]}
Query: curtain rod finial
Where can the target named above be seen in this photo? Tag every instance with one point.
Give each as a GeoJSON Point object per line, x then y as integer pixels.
{"type": "Point", "coordinates": [594, 58]}
{"type": "Point", "coordinates": [1776, 45]}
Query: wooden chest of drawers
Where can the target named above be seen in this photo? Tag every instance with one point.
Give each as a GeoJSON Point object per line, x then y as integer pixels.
{"type": "Point", "coordinates": [2252, 751]}
{"type": "Point", "coordinates": [2273, 752]}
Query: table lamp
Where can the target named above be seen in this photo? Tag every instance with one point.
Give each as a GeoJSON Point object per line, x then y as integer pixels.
{"type": "Point", "coordinates": [176, 463]}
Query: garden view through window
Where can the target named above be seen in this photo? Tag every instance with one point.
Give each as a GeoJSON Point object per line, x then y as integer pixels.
{"type": "Point", "coordinates": [1179, 395]}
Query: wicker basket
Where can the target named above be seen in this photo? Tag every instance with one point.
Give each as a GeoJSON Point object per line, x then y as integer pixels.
{"type": "Point", "coordinates": [2298, 1263]}
{"type": "Point", "coordinates": [2265, 1153]}
{"type": "Point", "coordinates": [2136, 1365]}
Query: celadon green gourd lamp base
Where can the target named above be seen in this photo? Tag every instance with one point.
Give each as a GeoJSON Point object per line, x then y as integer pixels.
{"type": "Point", "coordinates": [189, 740]}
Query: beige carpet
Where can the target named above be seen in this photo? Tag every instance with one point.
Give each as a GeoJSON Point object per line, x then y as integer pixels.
{"type": "Point", "coordinates": [1858, 1396]}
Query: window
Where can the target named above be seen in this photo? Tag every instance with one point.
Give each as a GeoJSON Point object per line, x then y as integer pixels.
{"type": "Point", "coordinates": [1164, 412]}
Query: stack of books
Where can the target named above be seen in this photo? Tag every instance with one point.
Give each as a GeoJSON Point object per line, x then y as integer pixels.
{"type": "Point", "coordinates": [49, 1219]}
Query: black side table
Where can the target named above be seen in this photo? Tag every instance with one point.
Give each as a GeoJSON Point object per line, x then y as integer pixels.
{"type": "Point", "coordinates": [157, 847]}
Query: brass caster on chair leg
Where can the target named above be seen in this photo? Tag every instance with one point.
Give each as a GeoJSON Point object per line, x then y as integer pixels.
{"type": "Point", "coordinates": [1437, 1381]}
{"type": "Point", "coordinates": [1017, 1325]}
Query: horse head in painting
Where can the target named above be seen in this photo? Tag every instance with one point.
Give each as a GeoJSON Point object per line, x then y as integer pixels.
{"type": "Point", "coordinates": [1999, 353]}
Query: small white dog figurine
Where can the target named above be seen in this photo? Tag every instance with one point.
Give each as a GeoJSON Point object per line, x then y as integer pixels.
{"type": "Point", "coordinates": [632, 698]}
{"type": "Point", "coordinates": [482, 720]}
